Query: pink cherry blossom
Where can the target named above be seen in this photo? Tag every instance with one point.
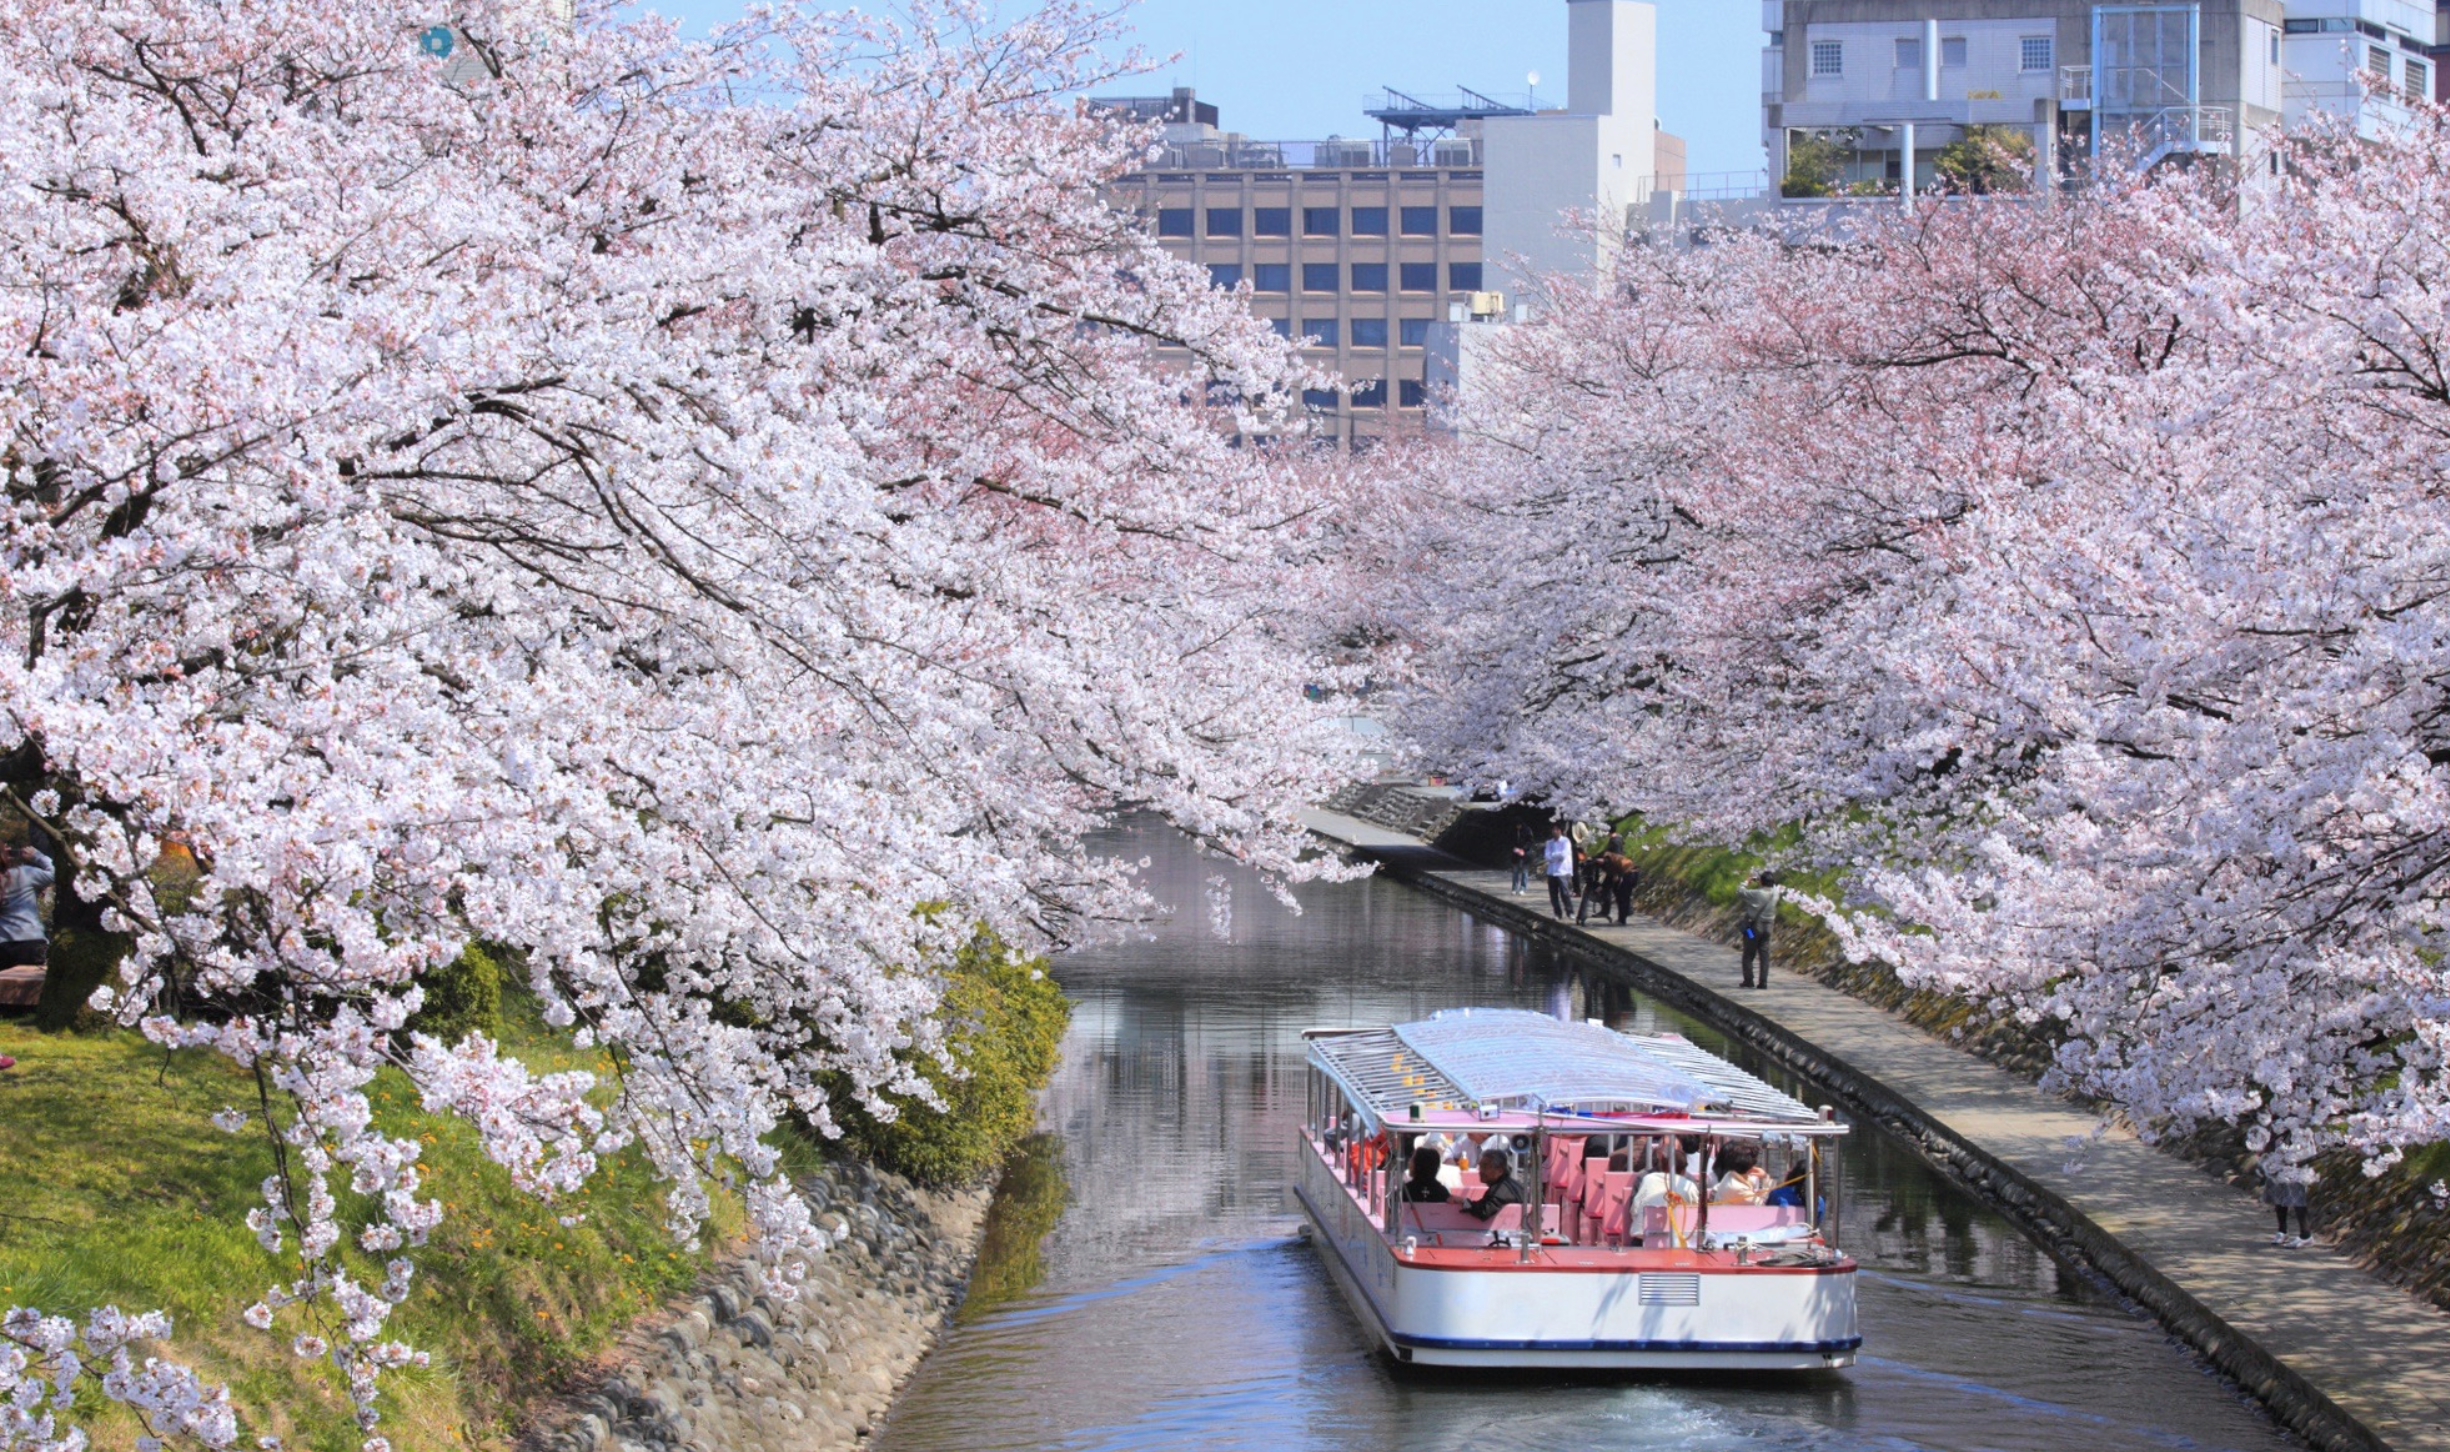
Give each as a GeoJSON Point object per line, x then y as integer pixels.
{"type": "Point", "coordinates": [686, 513]}
{"type": "Point", "coordinates": [2067, 577]}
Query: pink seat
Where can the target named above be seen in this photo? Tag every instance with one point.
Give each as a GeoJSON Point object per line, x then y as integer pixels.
{"type": "Point", "coordinates": [1612, 1212]}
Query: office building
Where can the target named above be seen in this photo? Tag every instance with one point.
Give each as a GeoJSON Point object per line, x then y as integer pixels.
{"type": "Point", "coordinates": [1362, 246]}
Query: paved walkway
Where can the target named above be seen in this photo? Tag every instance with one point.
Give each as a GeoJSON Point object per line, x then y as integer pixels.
{"type": "Point", "coordinates": [2379, 1354]}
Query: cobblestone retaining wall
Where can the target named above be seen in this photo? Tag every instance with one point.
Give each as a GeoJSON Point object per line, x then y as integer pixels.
{"type": "Point", "coordinates": [737, 1370]}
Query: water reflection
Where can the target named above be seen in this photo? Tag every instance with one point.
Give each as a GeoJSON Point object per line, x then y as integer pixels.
{"type": "Point", "coordinates": [1174, 1306]}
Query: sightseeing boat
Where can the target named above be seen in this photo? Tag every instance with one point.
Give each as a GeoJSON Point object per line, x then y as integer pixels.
{"type": "Point", "coordinates": [1676, 1212]}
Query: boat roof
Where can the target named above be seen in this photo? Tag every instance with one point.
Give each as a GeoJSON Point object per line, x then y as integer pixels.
{"type": "Point", "coordinates": [1492, 1065]}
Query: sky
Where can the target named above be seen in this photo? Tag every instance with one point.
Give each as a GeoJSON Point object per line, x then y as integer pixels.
{"type": "Point", "coordinates": [1285, 70]}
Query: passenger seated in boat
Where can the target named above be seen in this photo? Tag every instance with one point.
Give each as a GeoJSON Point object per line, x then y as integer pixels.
{"type": "Point", "coordinates": [1657, 1187]}
{"type": "Point", "coordinates": [1424, 1188]}
{"type": "Point", "coordinates": [1497, 1172]}
{"type": "Point", "coordinates": [1745, 1182]}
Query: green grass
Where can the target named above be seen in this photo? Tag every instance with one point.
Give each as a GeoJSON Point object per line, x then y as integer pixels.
{"type": "Point", "coordinates": [116, 1190]}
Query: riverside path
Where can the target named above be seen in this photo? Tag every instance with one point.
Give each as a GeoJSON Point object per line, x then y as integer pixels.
{"type": "Point", "coordinates": [2344, 1359]}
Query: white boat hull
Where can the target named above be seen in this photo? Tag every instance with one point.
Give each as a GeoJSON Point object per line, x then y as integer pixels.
{"type": "Point", "coordinates": [1664, 1311]}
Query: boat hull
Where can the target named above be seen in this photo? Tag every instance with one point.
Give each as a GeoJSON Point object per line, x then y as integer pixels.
{"type": "Point", "coordinates": [1662, 1310]}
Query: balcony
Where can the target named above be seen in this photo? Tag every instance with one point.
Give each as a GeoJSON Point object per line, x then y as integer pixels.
{"type": "Point", "coordinates": [2152, 137]}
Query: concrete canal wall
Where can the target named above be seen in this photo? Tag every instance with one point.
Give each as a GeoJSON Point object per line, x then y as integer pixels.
{"type": "Point", "coordinates": [2341, 1358]}
{"type": "Point", "coordinates": [736, 1369]}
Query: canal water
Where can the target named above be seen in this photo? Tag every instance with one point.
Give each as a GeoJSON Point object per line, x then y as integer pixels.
{"type": "Point", "coordinates": [1145, 1284]}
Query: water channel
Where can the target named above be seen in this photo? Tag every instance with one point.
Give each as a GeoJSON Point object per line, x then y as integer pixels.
{"type": "Point", "coordinates": [1145, 1284]}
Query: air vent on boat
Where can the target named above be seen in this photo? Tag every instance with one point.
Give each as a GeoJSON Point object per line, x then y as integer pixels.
{"type": "Point", "coordinates": [1670, 1290]}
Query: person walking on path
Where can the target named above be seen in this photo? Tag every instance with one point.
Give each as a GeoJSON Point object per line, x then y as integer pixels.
{"type": "Point", "coordinates": [2283, 1196]}
{"type": "Point", "coordinates": [1524, 843]}
{"type": "Point", "coordinates": [1759, 909]}
{"type": "Point", "coordinates": [1560, 873]}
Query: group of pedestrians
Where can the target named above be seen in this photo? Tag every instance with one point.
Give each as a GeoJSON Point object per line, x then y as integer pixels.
{"type": "Point", "coordinates": [1582, 869]}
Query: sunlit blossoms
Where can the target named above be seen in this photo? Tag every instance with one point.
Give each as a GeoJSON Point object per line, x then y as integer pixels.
{"type": "Point", "coordinates": [675, 511]}
{"type": "Point", "coordinates": [2071, 577]}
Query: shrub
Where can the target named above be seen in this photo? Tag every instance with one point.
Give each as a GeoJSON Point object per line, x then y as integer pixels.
{"type": "Point", "coordinates": [1004, 1020]}
{"type": "Point", "coordinates": [463, 998]}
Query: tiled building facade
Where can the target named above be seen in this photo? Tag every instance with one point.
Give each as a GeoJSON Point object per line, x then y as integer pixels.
{"type": "Point", "coordinates": [1356, 248]}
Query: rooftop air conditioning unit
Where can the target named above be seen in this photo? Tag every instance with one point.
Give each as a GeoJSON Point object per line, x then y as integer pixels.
{"type": "Point", "coordinates": [1336, 151]}
{"type": "Point", "coordinates": [1488, 304]}
{"type": "Point", "coordinates": [1452, 153]}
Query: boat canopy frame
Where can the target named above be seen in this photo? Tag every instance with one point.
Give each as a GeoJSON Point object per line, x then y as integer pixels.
{"type": "Point", "coordinates": [1490, 1069]}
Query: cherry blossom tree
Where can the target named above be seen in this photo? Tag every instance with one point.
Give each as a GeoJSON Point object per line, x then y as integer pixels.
{"type": "Point", "coordinates": [2069, 575]}
{"type": "Point", "coordinates": [712, 517]}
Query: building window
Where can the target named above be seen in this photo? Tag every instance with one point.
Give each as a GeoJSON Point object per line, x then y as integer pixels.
{"type": "Point", "coordinates": [1369, 221]}
{"type": "Point", "coordinates": [1319, 332]}
{"type": "Point", "coordinates": [1225, 275]}
{"type": "Point", "coordinates": [1463, 276]}
{"type": "Point", "coordinates": [1413, 332]}
{"type": "Point", "coordinates": [1272, 222]}
{"type": "Point", "coordinates": [1952, 51]}
{"type": "Point", "coordinates": [1321, 221]}
{"type": "Point", "coordinates": [2034, 53]}
{"type": "Point", "coordinates": [1411, 393]}
{"type": "Point", "coordinates": [1174, 221]}
{"type": "Point", "coordinates": [1828, 58]}
{"type": "Point", "coordinates": [1272, 277]}
{"type": "Point", "coordinates": [1777, 40]}
{"type": "Point", "coordinates": [1320, 277]}
{"type": "Point", "coordinates": [1418, 276]}
{"type": "Point", "coordinates": [1281, 327]}
{"type": "Point", "coordinates": [1369, 277]}
{"type": "Point", "coordinates": [1372, 394]}
{"type": "Point", "coordinates": [1463, 221]}
{"type": "Point", "coordinates": [1320, 400]}
{"type": "Point", "coordinates": [1420, 221]}
{"type": "Point", "coordinates": [1369, 332]}
{"type": "Point", "coordinates": [2275, 47]}
{"type": "Point", "coordinates": [1909, 55]}
{"type": "Point", "coordinates": [1224, 221]}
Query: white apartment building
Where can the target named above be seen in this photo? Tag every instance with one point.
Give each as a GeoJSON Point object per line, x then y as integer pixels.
{"type": "Point", "coordinates": [2363, 59]}
{"type": "Point", "coordinates": [1851, 89]}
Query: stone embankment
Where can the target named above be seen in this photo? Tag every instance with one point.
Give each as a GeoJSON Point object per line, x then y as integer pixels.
{"type": "Point", "coordinates": [737, 1369]}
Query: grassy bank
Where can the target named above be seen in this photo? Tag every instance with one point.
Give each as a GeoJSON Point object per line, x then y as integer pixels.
{"type": "Point", "coordinates": [116, 1190]}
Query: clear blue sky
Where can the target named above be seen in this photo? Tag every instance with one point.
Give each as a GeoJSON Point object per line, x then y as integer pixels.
{"type": "Point", "coordinates": [1298, 69]}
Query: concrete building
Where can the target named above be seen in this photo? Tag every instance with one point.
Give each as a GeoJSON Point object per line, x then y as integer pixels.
{"type": "Point", "coordinates": [1362, 247]}
{"type": "Point", "coordinates": [1597, 155]}
{"type": "Point", "coordinates": [2364, 59]}
{"type": "Point", "coordinates": [1850, 88]}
